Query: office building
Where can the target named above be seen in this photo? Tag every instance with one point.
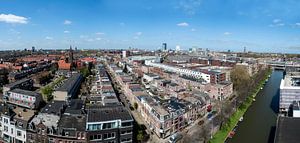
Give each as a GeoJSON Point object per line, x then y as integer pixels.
{"type": "Point", "coordinates": [289, 91]}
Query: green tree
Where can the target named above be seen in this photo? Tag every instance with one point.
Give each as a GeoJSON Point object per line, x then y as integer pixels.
{"type": "Point", "coordinates": [85, 72]}
{"type": "Point", "coordinates": [140, 136]}
{"type": "Point", "coordinates": [47, 93]}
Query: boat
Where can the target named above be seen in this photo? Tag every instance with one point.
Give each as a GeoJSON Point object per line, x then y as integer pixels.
{"type": "Point", "coordinates": [231, 134]}
{"type": "Point", "coordinates": [241, 119]}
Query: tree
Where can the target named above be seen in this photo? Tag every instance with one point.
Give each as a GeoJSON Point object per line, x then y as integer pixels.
{"type": "Point", "coordinates": [85, 72]}
{"type": "Point", "coordinates": [47, 93]}
{"type": "Point", "coordinates": [140, 136]}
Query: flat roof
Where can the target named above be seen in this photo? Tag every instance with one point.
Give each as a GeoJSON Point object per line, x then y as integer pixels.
{"type": "Point", "coordinates": [77, 122]}
{"type": "Point", "coordinates": [103, 113]}
{"type": "Point", "coordinates": [287, 130]}
{"type": "Point", "coordinates": [23, 114]}
{"type": "Point", "coordinates": [25, 92]}
{"type": "Point", "coordinates": [69, 83]}
{"type": "Point", "coordinates": [53, 107]}
{"type": "Point", "coordinates": [17, 82]}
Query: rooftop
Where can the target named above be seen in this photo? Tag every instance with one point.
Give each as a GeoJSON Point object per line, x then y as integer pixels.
{"type": "Point", "coordinates": [17, 82]}
{"type": "Point", "coordinates": [108, 113]}
{"type": "Point", "coordinates": [26, 92]}
{"type": "Point", "coordinates": [75, 106]}
{"type": "Point", "coordinates": [53, 107]}
{"type": "Point", "coordinates": [77, 122]}
{"type": "Point", "coordinates": [23, 114]}
{"type": "Point", "coordinates": [287, 130]}
{"type": "Point", "coordinates": [69, 83]}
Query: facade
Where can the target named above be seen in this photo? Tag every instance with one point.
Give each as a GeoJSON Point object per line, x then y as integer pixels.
{"type": "Point", "coordinates": [69, 89]}
{"type": "Point", "coordinates": [109, 124]}
{"type": "Point", "coordinates": [181, 71]}
{"type": "Point", "coordinates": [289, 91]}
{"type": "Point", "coordinates": [14, 124]}
{"type": "Point", "coordinates": [24, 98]}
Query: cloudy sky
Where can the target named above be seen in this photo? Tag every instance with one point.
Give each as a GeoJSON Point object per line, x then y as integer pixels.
{"type": "Point", "coordinates": [260, 25]}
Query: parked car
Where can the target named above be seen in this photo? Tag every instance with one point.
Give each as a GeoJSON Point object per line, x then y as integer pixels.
{"type": "Point", "coordinates": [175, 138]}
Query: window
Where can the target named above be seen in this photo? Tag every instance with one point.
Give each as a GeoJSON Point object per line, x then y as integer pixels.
{"type": "Point", "coordinates": [12, 131]}
{"type": "Point", "coordinates": [96, 137]}
{"type": "Point", "coordinates": [19, 133]}
{"type": "Point", "coordinates": [126, 124]}
{"type": "Point", "coordinates": [5, 128]}
{"type": "Point", "coordinates": [109, 136]}
{"type": "Point", "coordinates": [111, 142]}
{"type": "Point", "coordinates": [126, 132]}
{"type": "Point", "coordinates": [5, 121]}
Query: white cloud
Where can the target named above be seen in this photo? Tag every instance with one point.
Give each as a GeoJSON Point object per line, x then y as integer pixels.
{"type": "Point", "coordinates": [99, 33]}
{"type": "Point", "coordinates": [277, 23]}
{"type": "Point", "coordinates": [10, 18]}
{"type": "Point", "coordinates": [98, 39]}
{"type": "Point", "coordinates": [193, 30]}
{"type": "Point", "coordinates": [67, 22]}
{"type": "Point", "coordinates": [66, 31]}
{"type": "Point", "coordinates": [297, 24]}
{"type": "Point", "coordinates": [136, 37]}
{"type": "Point", "coordinates": [138, 33]}
{"type": "Point", "coordinates": [227, 33]}
{"type": "Point", "coordinates": [183, 24]}
{"type": "Point", "coordinates": [49, 38]}
{"type": "Point", "coordinates": [189, 7]}
{"type": "Point", "coordinates": [276, 20]}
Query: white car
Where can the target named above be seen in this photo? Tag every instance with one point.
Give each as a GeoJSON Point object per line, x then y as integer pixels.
{"type": "Point", "coordinates": [175, 137]}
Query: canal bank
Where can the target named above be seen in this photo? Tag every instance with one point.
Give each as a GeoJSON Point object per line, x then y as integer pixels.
{"type": "Point", "coordinates": [222, 134]}
{"type": "Point", "coordinates": [260, 119]}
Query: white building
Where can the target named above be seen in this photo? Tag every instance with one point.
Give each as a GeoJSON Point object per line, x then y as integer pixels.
{"type": "Point", "coordinates": [14, 124]}
{"type": "Point", "coordinates": [181, 71]}
{"type": "Point", "coordinates": [289, 91]}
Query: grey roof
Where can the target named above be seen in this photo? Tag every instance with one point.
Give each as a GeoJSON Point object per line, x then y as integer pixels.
{"type": "Point", "coordinates": [287, 130]}
{"type": "Point", "coordinates": [75, 107]}
{"type": "Point", "coordinates": [107, 113]}
{"type": "Point", "coordinates": [72, 122]}
{"type": "Point", "coordinates": [17, 82]}
{"type": "Point", "coordinates": [69, 83]}
{"type": "Point", "coordinates": [26, 92]}
{"type": "Point", "coordinates": [53, 107]}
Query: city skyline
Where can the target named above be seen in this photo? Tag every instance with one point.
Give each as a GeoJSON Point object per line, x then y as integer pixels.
{"type": "Point", "coordinates": [262, 26]}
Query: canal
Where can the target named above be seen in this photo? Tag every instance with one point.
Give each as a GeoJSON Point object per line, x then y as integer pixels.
{"type": "Point", "coordinates": [259, 121]}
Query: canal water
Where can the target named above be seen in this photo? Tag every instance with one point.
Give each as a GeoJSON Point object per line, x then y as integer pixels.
{"type": "Point", "coordinates": [259, 121]}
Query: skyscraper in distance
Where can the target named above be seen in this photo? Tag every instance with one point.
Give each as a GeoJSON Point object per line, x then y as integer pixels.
{"type": "Point", "coordinates": [164, 46]}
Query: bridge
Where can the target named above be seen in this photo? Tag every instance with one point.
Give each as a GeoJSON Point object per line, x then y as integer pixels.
{"type": "Point", "coordinates": [282, 65]}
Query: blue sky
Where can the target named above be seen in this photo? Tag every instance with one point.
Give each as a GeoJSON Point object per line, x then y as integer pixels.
{"type": "Point", "coordinates": [260, 25]}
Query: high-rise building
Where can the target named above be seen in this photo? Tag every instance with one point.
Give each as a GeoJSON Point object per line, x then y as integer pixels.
{"type": "Point", "coordinates": [177, 49]}
{"type": "Point", "coordinates": [245, 50]}
{"type": "Point", "coordinates": [164, 46]}
{"type": "Point", "coordinates": [124, 54]}
{"type": "Point", "coordinates": [33, 49]}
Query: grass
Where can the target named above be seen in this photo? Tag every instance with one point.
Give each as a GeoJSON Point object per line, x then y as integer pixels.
{"type": "Point", "coordinates": [221, 135]}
